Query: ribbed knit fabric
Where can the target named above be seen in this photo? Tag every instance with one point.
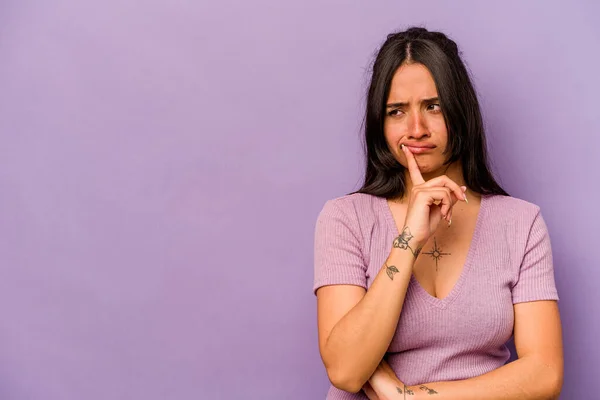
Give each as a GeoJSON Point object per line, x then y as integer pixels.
{"type": "Point", "coordinates": [464, 334]}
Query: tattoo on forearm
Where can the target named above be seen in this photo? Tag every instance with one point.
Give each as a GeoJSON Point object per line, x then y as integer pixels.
{"type": "Point", "coordinates": [405, 392]}
{"type": "Point", "coordinates": [409, 392]}
{"type": "Point", "coordinates": [401, 242]}
{"type": "Point", "coordinates": [428, 390]}
{"type": "Point", "coordinates": [391, 270]}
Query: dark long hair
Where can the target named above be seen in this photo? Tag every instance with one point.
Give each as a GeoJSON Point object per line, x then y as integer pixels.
{"type": "Point", "coordinates": [384, 175]}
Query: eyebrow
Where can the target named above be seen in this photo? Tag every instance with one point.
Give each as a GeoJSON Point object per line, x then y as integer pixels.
{"type": "Point", "coordinates": [426, 101]}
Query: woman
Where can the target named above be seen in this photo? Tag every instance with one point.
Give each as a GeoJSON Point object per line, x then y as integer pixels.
{"type": "Point", "coordinates": [426, 272]}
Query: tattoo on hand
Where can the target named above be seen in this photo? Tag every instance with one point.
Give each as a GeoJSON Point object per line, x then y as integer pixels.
{"type": "Point", "coordinates": [401, 242]}
{"type": "Point", "coordinates": [391, 270]}
{"type": "Point", "coordinates": [428, 390]}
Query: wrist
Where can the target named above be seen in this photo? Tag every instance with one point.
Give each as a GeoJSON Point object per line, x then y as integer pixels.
{"type": "Point", "coordinates": [405, 242]}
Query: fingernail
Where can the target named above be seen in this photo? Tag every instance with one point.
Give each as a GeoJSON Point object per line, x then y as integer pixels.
{"type": "Point", "coordinates": [464, 194]}
{"type": "Point", "coordinates": [464, 188]}
{"type": "Point", "coordinates": [402, 146]}
{"type": "Point", "coordinates": [450, 223]}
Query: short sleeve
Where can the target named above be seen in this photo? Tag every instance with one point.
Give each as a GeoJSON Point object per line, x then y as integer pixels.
{"type": "Point", "coordinates": [536, 276]}
{"type": "Point", "coordinates": [338, 258]}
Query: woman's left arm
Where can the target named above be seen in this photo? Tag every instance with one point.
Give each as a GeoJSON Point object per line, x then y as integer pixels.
{"type": "Point", "coordinates": [536, 374]}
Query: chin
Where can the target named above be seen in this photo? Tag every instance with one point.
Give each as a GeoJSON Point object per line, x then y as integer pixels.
{"type": "Point", "coordinates": [428, 171]}
{"type": "Point", "coordinates": [427, 168]}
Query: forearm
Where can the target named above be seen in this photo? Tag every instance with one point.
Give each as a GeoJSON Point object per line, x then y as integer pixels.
{"type": "Point", "coordinates": [358, 342]}
{"type": "Point", "coordinates": [527, 378]}
{"type": "Point", "coordinates": [384, 384]}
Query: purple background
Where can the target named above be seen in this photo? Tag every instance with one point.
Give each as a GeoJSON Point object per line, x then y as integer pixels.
{"type": "Point", "coordinates": [162, 165]}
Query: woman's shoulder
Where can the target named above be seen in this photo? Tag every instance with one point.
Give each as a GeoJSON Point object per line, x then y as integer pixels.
{"type": "Point", "coordinates": [511, 208]}
{"type": "Point", "coordinates": [358, 209]}
{"type": "Point", "coordinates": [353, 201]}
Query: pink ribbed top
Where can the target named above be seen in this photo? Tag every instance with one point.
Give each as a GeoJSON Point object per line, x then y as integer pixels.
{"type": "Point", "coordinates": [464, 334]}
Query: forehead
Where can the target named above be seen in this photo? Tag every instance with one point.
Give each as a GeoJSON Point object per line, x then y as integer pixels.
{"type": "Point", "coordinates": [412, 82]}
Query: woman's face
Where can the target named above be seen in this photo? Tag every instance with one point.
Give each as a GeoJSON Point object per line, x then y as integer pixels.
{"type": "Point", "coordinates": [414, 118]}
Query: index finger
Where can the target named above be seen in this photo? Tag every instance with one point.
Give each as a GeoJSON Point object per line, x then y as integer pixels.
{"type": "Point", "coordinates": [413, 168]}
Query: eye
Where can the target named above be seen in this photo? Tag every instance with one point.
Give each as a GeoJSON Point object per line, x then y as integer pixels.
{"type": "Point", "coordinates": [394, 113]}
{"type": "Point", "coordinates": [433, 108]}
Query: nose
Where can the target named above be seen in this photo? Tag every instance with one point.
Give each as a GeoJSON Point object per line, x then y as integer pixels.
{"type": "Point", "coordinates": [417, 126]}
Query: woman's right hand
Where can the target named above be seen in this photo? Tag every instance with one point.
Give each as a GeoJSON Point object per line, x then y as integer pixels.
{"type": "Point", "coordinates": [429, 203]}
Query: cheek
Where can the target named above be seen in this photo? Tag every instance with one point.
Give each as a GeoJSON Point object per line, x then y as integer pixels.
{"type": "Point", "coordinates": [392, 133]}
{"type": "Point", "coordinates": [438, 125]}
{"type": "Point", "coordinates": [443, 138]}
{"type": "Point", "coordinates": [392, 139]}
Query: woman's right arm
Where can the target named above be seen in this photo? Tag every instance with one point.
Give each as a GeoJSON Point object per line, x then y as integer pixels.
{"type": "Point", "coordinates": [357, 326]}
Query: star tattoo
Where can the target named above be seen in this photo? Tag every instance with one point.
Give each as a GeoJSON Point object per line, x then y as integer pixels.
{"type": "Point", "coordinates": [436, 253]}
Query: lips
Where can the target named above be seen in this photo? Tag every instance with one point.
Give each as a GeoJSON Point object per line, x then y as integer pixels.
{"type": "Point", "coordinates": [419, 148]}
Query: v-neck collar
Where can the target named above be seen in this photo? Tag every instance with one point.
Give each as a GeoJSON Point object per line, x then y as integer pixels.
{"type": "Point", "coordinates": [443, 303]}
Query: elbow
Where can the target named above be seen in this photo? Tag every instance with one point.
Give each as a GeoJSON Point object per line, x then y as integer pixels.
{"type": "Point", "coordinates": [551, 383]}
{"type": "Point", "coordinates": [556, 387]}
{"type": "Point", "coordinates": [344, 380]}
{"type": "Point", "coordinates": [344, 373]}
{"type": "Point", "coordinates": [553, 394]}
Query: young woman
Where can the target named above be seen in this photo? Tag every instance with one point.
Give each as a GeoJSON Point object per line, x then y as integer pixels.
{"type": "Point", "coordinates": [426, 272]}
